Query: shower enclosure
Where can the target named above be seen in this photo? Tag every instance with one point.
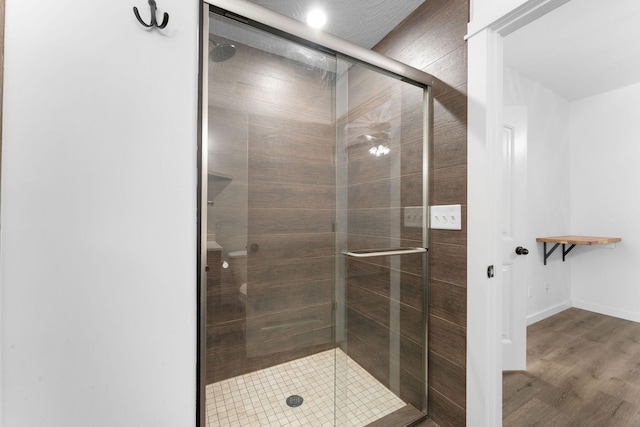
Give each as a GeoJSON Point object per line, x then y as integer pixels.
{"type": "Point", "coordinates": [313, 233]}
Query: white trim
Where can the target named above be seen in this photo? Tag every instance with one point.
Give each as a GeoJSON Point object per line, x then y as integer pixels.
{"type": "Point", "coordinates": [608, 311]}
{"type": "Point", "coordinates": [548, 312]}
{"type": "Point", "coordinates": [511, 20]}
{"type": "Point", "coordinates": [484, 316]}
{"type": "Point", "coordinates": [583, 305]}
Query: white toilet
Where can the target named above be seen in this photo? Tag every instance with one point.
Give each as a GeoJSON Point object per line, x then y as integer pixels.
{"type": "Point", "coordinates": [238, 262]}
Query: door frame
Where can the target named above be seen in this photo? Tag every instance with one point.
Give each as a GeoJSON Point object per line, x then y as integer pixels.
{"type": "Point", "coordinates": [243, 10]}
{"type": "Point", "coordinates": [484, 126]}
{"type": "Point", "coordinates": [202, 168]}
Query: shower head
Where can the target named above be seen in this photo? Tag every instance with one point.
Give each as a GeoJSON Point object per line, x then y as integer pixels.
{"type": "Point", "coordinates": [221, 51]}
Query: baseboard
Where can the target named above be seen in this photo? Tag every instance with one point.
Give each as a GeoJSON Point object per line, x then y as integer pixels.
{"type": "Point", "coordinates": [541, 315]}
{"type": "Point", "coordinates": [634, 316]}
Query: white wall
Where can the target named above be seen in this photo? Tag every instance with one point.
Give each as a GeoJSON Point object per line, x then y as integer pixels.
{"type": "Point", "coordinates": [582, 179]}
{"type": "Point", "coordinates": [98, 237]}
{"type": "Point", "coordinates": [605, 154]}
{"type": "Point", "coordinates": [548, 189]}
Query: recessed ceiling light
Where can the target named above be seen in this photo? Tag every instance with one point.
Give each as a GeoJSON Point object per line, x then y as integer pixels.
{"type": "Point", "coordinates": [316, 18]}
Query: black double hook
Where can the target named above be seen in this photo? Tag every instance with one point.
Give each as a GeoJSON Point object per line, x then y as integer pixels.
{"type": "Point", "coordinates": [154, 22]}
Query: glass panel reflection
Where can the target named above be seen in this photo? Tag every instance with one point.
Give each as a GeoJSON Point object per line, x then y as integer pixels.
{"type": "Point", "coordinates": [380, 181]}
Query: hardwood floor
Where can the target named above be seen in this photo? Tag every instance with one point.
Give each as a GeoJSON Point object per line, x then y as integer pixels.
{"type": "Point", "coordinates": [583, 369]}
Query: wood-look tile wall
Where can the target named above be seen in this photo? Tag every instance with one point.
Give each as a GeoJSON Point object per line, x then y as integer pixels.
{"type": "Point", "coordinates": [277, 147]}
{"type": "Point", "coordinates": [385, 294]}
{"type": "Point", "coordinates": [432, 39]}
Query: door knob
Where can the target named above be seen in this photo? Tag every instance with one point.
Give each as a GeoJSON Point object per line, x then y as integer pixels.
{"type": "Point", "coordinates": [522, 251]}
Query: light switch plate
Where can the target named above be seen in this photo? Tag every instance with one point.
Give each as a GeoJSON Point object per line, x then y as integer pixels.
{"type": "Point", "coordinates": [446, 217]}
{"type": "Point", "coordinates": [413, 216]}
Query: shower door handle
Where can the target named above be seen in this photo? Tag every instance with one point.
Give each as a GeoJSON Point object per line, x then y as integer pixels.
{"type": "Point", "coordinates": [367, 253]}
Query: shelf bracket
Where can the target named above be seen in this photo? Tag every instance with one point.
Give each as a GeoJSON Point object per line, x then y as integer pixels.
{"type": "Point", "coordinates": [548, 254]}
{"type": "Point", "coordinates": [564, 253]}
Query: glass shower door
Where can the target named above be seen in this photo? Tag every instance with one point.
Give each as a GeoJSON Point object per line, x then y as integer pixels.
{"type": "Point", "coordinates": [381, 237]}
{"type": "Point", "coordinates": [270, 217]}
{"type": "Point", "coordinates": [315, 236]}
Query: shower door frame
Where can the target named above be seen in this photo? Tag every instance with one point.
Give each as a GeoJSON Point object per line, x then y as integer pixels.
{"type": "Point", "coordinates": [266, 19]}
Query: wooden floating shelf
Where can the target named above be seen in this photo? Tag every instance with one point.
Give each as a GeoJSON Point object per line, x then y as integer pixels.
{"type": "Point", "coordinates": [573, 241]}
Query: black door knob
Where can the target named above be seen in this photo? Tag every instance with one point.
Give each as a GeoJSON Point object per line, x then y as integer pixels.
{"type": "Point", "coordinates": [522, 251]}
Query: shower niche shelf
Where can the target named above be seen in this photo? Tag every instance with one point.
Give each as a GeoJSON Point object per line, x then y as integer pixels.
{"type": "Point", "coordinates": [573, 241]}
{"type": "Point", "coordinates": [216, 183]}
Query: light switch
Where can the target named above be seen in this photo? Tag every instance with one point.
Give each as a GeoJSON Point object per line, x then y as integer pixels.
{"type": "Point", "coordinates": [447, 217]}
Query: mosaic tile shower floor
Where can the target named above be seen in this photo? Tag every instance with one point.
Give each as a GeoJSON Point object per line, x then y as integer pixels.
{"type": "Point", "coordinates": [259, 398]}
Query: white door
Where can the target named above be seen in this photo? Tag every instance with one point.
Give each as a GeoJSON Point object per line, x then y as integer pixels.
{"type": "Point", "coordinates": [512, 228]}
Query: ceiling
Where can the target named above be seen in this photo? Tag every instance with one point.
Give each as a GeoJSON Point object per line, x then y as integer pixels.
{"type": "Point", "coordinates": [362, 22]}
{"type": "Point", "coordinates": [582, 48]}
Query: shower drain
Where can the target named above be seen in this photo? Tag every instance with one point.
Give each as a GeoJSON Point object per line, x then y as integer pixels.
{"type": "Point", "coordinates": [294, 401]}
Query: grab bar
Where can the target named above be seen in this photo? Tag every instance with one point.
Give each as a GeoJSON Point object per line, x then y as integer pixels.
{"type": "Point", "coordinates": [383, 252]}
